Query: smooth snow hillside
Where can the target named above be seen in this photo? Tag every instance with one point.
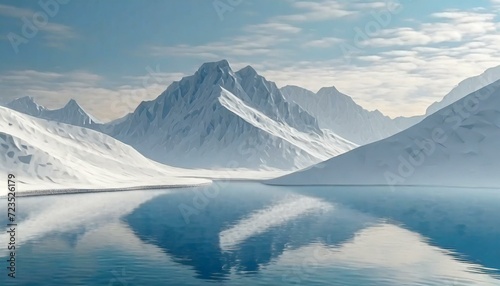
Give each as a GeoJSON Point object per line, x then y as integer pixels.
{"type": "Point", "coordinates": [456, 146]}
{"type": "Point", "coordinates": [192, 124]}
{"type": "Point", "coordinates": [50, 155]}
{"type": "Point", "coordinates": [340, 114]}
{"type": "Point", "coordinates": [72, 113]}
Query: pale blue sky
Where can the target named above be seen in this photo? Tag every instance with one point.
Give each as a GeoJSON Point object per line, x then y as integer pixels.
{"type": "Point", "coordinates": [397, 57]}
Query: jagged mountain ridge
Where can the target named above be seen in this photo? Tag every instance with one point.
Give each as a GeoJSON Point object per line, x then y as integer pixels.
{"type": "Point", "coordinates": [188, 126]}
{"type": "Point", "coordinates": [338, 112]}
{"type": "Point", "coordinates": [72, 113]}
{"type": "Point", "coordinates": [302, 110]}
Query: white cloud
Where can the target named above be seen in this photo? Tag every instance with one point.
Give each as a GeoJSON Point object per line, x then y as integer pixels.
{"type": "Point", "coordinates": [400, 71]}
{"type": "Point", "coordinates": [316, 11]}
{"type": "Point", "coordinates": [326, 42]}
{"type": "Point", "coordinates": [496, 5]}
{"type": "Point", "coordinates": [450, 26]}
{"type": "Point", "coordinates": [256, 40]}
{"type": "Point", "coordinates": [55, 34]}
{"type": "Point", "coordinates": [397, 82]}
{"type": "Point", "coordinates": [272, 28]}
{"type": "Point", "coordinates": [322, 10]}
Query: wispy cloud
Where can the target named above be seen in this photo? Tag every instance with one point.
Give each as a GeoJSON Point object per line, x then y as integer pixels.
{"type": "Point", "coordinates": [450, 26]}
{"type": "Point", "coordinates": [326, 42]}
{"type": "Point", "coordinates": [397, 82]}
{"type": "Point", "coordinates": [55, 34]}
{"type": "Point", "coordinates": [322, 10]}
{"type": "Point", "coordinates": [260, 39]}
{"type": "Point", "coordinates": [272, 28]}
{"type": "Point", "coordinates": [316, 11]}
{"type": "Point", "coordinates": [496, 5]}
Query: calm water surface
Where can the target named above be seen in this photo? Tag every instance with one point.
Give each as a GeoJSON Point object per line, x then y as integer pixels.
{"type": "Point", "coordinates": [252, 234]}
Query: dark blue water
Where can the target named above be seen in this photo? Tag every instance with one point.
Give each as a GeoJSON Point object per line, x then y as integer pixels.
{"type": "Point", "coordinates": [252, 234]}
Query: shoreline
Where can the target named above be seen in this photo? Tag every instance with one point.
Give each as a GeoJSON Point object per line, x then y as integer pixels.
{"type": "Point", "coordinates": [380, 185]}
{"type": "Point", "coordinates": [73, 191]}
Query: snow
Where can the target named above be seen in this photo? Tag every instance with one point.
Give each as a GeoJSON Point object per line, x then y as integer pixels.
{"type": "Point", "coordinates": [315, 145]}
{"type": "Point", "coordinates": [465, 88]}
{"type": "Point", "coordinates": [456, 146]}
{"type": "Point", "coordinates": [72, 113]}
{"type": "Point", "coordinates": [223, 124]}
{"type": "Point", "coordinates": [46, 155]}
{"type": "Point", "coordinates": [340, 114]}
{"type": "Point", "coordinates": [195, 124]}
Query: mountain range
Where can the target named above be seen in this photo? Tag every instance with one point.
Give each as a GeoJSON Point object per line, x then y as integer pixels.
{"type": "Point", "coordinates": [338, 112]}
{"type": "Point", "coordinates": [218, 118]}
{"type": "Point", "coordinates": [52, 155]}
{"type": "Point", "coordinates": [72, 113]}
{"type": "Point", "coordinates": [454, 146]}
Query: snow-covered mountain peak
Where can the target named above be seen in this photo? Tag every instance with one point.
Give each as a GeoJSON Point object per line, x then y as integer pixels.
{"type": "Point", "coordinates": [247, 71]}
{"type": "Point", "coordinates": [73, 108]}
{"type": "Point", "coordinates": [214, 118]}
{"type": "Point", "coordinates": [27, 104]}
{"type": "Point", "coordinates": [202, 88]}
{"type": "Point", "coordinates": [297, 93]}
{"type": "Point", "coordinates": [25, 99]}
{"type": "Point", "coordinates": [333, 93]}
{"type": "Point", "coordinates": [340, 113]}
{"type": "Point", "coordinates": [219, 67]}
{"type": "Point", "coordinates": [328, 90]}
{"type": "Point", "coordinates": [72, 113]}
{"type": "Point", "coordinates": [72, 104]}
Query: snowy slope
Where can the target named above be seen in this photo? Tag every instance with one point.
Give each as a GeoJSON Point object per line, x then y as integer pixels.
{"type": "Point", "coordinates": [72, 113]}
{"type": "Point", "coordinates": [194, 124]}
{"type": "Point", "coordinates": [340, 114]}
{"type": "Point", "coordinates": [466, 87]}
{"type": "Point", "coordinates": [43, 155]}
{"type": "Point", "coordinates": [456, 146]}
{"type": "Point", "coordinates": [321, 147]}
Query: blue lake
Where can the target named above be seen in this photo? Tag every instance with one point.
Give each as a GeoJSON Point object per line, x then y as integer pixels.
{"type": "Point", "coordinates": [252, 234]}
